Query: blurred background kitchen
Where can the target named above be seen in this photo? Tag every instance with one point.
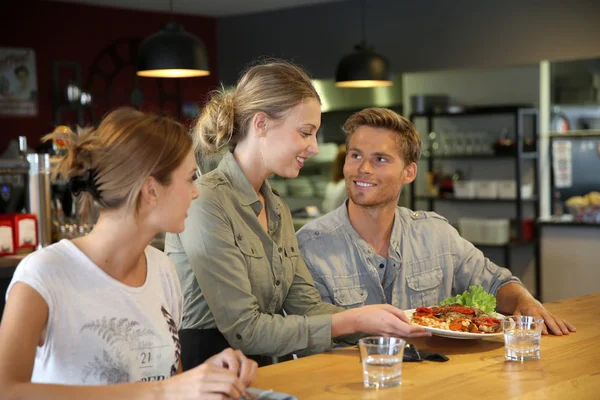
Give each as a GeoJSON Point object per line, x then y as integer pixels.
{"type": "Point", "coordinates": [506, 96]}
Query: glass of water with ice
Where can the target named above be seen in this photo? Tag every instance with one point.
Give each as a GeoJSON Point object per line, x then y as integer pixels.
{"type": "Point", "coordinates": [522, 335]}
{"type": "Point", "coordinates": [382, 361]}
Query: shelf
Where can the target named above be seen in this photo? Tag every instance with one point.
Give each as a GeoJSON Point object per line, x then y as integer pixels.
{"type": "Point", "coordinates": [475, 200]}
{"type": "Point", "coordinates": [530, 155]}
{"type": "Point", "coordinates": [576, 134]}
{"type": "Point", "coordinates": [562, 221]}
{"type": "Point", "coordinates": [475, 111]}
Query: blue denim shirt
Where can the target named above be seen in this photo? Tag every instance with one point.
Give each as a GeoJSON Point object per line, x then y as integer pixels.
{"type": "Point", "coordinates": [428, 261]}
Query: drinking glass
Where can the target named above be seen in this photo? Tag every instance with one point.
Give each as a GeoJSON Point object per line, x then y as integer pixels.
{"type": "Point", "coordinates": [381, 361]}
{"type": "Point", "coordinates": [522, 336]}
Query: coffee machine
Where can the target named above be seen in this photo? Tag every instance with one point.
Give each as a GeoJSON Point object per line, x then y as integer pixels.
{"type": "Point", "coordinates": [13, 185]}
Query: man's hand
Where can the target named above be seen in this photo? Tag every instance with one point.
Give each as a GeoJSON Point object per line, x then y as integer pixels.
{"type": "Point", "coordinates": [527, 305]}
{"type": "Point", "coordinates": [513, 298]}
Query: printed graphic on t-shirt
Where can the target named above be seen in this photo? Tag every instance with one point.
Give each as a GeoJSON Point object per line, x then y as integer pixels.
{"type": "Point", "coordinates": [175, 337]}
{"type": "Point", "coordinates": [130, 347]}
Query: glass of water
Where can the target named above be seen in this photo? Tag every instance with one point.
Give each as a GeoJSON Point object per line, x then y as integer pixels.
{"type": "Point", "coordinates": [522, 335]}
{"type": "Point", "coordinates": [382, 361]}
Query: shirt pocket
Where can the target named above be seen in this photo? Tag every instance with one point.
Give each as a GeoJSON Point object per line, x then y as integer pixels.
{"type": "Point", "coordinates": [349, 297]}
{"type": "Point", "coordinates": [424, 287]}
{"type": "Point", "coordinates": [259, 272]}
{"type": "Point", "coordinates": [290, 261]}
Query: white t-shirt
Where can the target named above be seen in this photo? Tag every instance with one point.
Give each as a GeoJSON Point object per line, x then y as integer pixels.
{"type": "Point", "coordinates": [101, 331]}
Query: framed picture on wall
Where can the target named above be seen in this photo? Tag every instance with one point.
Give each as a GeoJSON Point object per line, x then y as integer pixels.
{"type": "Point", "coordinates": [18, 82]}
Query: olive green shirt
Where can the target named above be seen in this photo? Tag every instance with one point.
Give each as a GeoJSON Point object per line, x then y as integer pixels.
{"type": "Point", "coordinates": [239, 278]}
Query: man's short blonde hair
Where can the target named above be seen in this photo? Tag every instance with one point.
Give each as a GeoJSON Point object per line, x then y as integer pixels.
{"type": "Point", "coordinates": [408, 139]}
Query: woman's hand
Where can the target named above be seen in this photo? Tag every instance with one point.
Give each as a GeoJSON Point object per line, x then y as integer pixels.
{"type": "Point", "coordinates": [376, 319]}
{"type": "Point", "coordinates": [236, 362]}
{"type": "Point", "coordinates": [223, 376]}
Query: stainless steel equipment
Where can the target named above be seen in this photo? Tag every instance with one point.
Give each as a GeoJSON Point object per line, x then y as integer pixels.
{"type": "Point", "coordinates": [39, 196]}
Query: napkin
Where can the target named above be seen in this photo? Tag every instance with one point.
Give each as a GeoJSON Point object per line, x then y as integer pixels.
{"type": "Point", "coordinates": [411, 353]}
{"type": "Point", "coordinates": [261, 394]}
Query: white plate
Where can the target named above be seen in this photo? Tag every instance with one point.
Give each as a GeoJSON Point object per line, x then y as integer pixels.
{"type": "Point", "coordinates": [454, 334]}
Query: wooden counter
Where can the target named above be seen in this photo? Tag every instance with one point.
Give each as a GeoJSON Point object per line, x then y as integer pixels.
{"type": "Point", "coordinates": [569, 367]}
{"type": "Point", "coordinates": [11, 261]}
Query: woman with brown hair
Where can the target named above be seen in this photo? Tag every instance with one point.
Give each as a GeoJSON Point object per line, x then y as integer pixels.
{"type": "Point", "coordinates": [97, 317]}
{"type": "Point", "coordinates": [245, 283]}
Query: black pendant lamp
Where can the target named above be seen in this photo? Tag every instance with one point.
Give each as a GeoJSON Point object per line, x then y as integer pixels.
{"type": "Point", "coordinates": [172, 53]}
{"type": "Point", "coordinates": [364, 68]}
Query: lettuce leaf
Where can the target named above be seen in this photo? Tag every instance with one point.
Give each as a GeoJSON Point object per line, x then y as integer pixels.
{"type": "Point", "coordinates": [477, 297]}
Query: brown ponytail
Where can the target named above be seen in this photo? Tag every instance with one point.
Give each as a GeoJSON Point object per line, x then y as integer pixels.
{"type": "Point", "coordinates": [127, 147]}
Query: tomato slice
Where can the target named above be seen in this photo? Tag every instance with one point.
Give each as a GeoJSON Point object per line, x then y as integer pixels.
{"type": "Point", "coordinates": [463, 310]}
{"type": "Point", "coordinates": [424, 311]}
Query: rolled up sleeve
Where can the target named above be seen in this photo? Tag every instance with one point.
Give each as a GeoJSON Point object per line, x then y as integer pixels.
{"type": "Point", "coordinates": [222, 275]}
{"type": "Point", "coordinates": [473, 268]}
{"type": "Point", "coordinates": [304, 299]}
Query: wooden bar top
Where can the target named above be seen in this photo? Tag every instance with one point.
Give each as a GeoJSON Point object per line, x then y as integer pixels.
{"type": "Point", "coordinates": [569, 367]}
{"type": "Point", "coordinates": [11, 261]}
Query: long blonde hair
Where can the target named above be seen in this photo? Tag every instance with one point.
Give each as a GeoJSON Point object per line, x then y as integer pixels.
{"type": "Point", "coordinates": [272, 87]}
{"type": "Point", "coordinates": [127, 147]}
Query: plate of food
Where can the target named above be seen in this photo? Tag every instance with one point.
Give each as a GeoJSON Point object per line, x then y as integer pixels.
{"type": "Point", "coordinates": [470, 315]}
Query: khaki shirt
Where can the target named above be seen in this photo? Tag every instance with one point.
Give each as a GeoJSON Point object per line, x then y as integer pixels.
{"type": "Point", "coordinates": [428, 261]}
{"type": "Point", "coordinates": [239, 278]}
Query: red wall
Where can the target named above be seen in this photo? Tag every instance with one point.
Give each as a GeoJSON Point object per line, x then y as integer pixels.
{"type": "Point", "coordinates": [63, 31]}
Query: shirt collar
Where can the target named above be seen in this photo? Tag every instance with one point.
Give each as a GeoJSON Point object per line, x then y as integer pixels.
{"type": "Point", "coordinates": [244, 190]}
{"type": "Point", "coordinates": [342, 213]}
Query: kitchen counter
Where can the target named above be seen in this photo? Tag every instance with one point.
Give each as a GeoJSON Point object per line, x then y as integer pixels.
{"type": "Point", "coordinates": [568, 258]}
{"type": "Point", "coordinates": [566, 220]}
{"type": "Point", "coordinates": [11, 261]}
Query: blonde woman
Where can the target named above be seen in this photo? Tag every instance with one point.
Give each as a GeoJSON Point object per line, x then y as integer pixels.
{"type": "Point", "coordinates": [97, 317]}
{"type": "Point", "coordinates": [244, 281]}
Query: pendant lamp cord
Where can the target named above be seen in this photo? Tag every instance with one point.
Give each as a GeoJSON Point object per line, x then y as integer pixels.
{"type": "Point", "coordinates": [171, 10]}
{"type": "Point", "coordinates": [364, 22]}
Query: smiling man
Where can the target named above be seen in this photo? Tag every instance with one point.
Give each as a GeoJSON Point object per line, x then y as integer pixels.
{"type": "Point", "coordinates": [371, 251]}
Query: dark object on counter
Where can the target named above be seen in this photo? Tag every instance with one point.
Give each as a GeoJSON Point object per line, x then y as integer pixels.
{"type": "Point", "coordinates": [527, 229]}
{"type": "Point", "coordinates": [507, 147]}
{"type": "Point", "coordinates": [411, 353]}
{"type": "Point", "coordinates": [429, 103]}
{"type": "Point", "coordinates": [13, 185]}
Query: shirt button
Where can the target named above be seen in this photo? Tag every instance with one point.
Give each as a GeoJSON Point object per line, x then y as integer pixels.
{"type": "Point", "coordinates": [381, 266]}
{"type": "Point", "coordinates": [416, 214]}
{"type": "Point", "coordinates": [280, 249]}
{"type": "Point", "coordinates": [238, 336]}
{"type": "Point", "coordinates": [278, 282]}
{"type": "Point", "coordinates": [317, 233]}
{"type": "Point", "coordinates": [293, 249]}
